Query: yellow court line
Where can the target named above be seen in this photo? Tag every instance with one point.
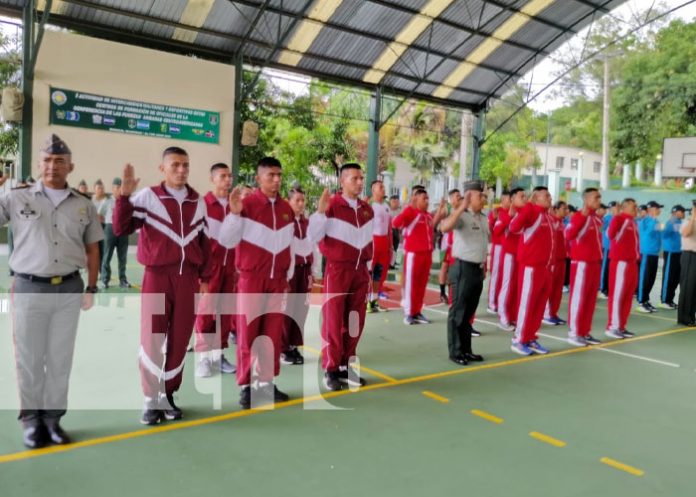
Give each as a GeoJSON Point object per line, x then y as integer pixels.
{"type": "Point", "coordinates": [621, 466]}
{"type": "Point", "coordinates": [487, 416]}
{"type": "Point", "coordinates": [328, 395]}
{"type": "Point", "coordinates": [549, 440]}
{"type": "Point", "coordinates": [435, 396]}
{"type": "Point", "coordinates": [373, 372]}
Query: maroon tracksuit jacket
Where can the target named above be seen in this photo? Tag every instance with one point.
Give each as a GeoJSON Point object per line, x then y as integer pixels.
{"type": "Point", "coordinates": [300, 285]}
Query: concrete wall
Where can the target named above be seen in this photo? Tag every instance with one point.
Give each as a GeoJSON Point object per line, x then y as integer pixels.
{"type": "Point", "coordinates": [569, 155]}
{"type": "Point", "coordinates": [80, 63]}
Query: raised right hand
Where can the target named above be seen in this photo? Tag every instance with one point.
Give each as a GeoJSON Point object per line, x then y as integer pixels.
{"type": "Point", "coordinates": [324, 201]}
{"type": "Point", "coordinates": [235, 200]}
{"type": "Point", "coordinates": [129, 183]}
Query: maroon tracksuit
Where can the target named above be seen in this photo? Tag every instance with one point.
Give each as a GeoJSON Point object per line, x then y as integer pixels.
{"type": "Point", "coordinates": [223, 281]}
{"type": "Point", "coordinates": [534, 257]}
{"type": "Point", "coordinates": [623, 270]}
{"type": "Point", "coordinates": [262, 235]}
{"type": "Point", "coordinates": [558, 267]}
{"type": "Point", "coordinates": [175, 250]}
{"type": "Point", "coordinates": [585, 236]}
{"type": "Point", "coordinates": [300, 283]}
{"type": "Point", "coordinates": [344, 234]}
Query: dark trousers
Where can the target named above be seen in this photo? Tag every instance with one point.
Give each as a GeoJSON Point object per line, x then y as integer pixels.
{"type": "Point", "coordinates": [670, 275]}
{"type": "Point", "coordinates": [466, 280]}
{"type": "Point", "coordinates": [396, 238]}
{"type": "Point", "coordinates": [111, 242]}
{"type": "Point", "coordinates": [687, 288]}
{"type": "Point", "coordinates": [604, 278]}
{"type": "Point", "coordinates": [566, 280]}
{"type": "Point", "coordinates": [647, 275]}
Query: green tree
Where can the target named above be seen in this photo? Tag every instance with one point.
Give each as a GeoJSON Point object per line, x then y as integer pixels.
{"type": "Point", "coordinates": [10, 75]}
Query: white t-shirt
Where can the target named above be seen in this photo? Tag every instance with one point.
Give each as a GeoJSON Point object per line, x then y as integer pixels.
{"type": "Point", "coordinates": [223, 202]}
{"type": "Point", "coordinates": [56, 196]}
{"type": "Point", "coordinates": [353, 202]}
{"type": "Point", "coordinates": [380, 223]}
{"type": "Point", "coordinates": [179, 195]}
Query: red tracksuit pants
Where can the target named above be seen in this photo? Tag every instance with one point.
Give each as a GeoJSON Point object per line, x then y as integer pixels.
{"type": "Point", "coordinates": [556, 291]}
{"type": "Point", "coordinates": [381, 258]}
{"type": "Point", "coordinates": [584, 285]}
{"type": "Point", "coordinates": [208, 337]}
{"type": "Point", "coordinates": [166, 323]}
{"type": "Point", "coordinates": [507, 298]}
{"type": "Point", "coordinates": [343, 312]}
{"type": "Point", "coordinates": [623, 281]}
{"type": "Point", "coordinates": [534, 285]}
{"type": "Point", "coordinates": [495, 281]}
{"type": "Point", "coordinates": [297, 307]}
{"type": "Point", "coordinates": [416, 274]}
{"type": "Point", "coordinates": [261, 303]}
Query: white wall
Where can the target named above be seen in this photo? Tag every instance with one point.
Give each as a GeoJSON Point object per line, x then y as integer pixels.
{"type": "Point", "coordinates": [91, 65]}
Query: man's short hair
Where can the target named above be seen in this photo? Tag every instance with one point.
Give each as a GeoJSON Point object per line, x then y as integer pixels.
{"type": "Point", "coordinates": [627, 200]}
{"type": "Point", "coordinates": [516, 190]}
{"type": "Point", "coordinates": [417, 187]}
{"type": "Point", "coordinates": [375, 182]}
{"type": "Point", "coordinates": [505, 192]}
{"type": "Point", "coordinates": [420, 191]}
{"type": "Point", "coordinates": [348, 166]}
{"type": "Point", "coordinates": [394, 197]}
{"type": "Point", "coordinates": [559, 204]}
{"type": "Point", "coordinates": [174, 151]}
{"type": "Point", "coordinates": [217, 166]}
{"type": "Point", "coordinates": [268, 162]}
{"type": "Point", "coordinates": [540, 188]}
{"type": "Point", "coordinates": [453, 191]}
{"type": "Point", "coordinates": [589, 190]}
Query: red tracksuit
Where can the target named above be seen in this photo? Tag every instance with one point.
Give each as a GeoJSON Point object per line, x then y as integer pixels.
{"type": "Point", "coordinates": [344, 234]}
{"type": "Point", "coordinates": [175, 250]}
{"type": "Point", "coordinates": [623, 269]}
{"type": "Point", "coordinates": [507, 296]}
{"type": "Point", "coordinates": [382, 242]}
{"type": "Point", "coordinates": [585, 236]}
{"type": "Point", "coordinates": [496, 256]}
{"type": "Point", "coordinates": [262, 235]}
{"type": "Point", "coordinates": [418, 232]}
{"type": "Point", "coordinates": [300, 286]}
{"type": "Point", "coordinates": [222, 281]}
{"type": "Point", "coordinates": [534, 255]}
{"type": "Point", "coordinates": [558, 267]}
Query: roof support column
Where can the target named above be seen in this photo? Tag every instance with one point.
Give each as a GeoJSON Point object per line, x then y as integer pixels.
{"type": "Point", "coordinates": [25, 137]}
{"type": "Point", "coordinates": [237, 118]}
{"type": "Point", "coordinates": [373, 136]}
{"type": "Point", "coordinates": [479, 131]}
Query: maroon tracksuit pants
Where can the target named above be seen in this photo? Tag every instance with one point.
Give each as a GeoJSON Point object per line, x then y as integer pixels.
{"type": "Point", "coordinates": [166, 324]}
{"type": "Point", "coordinates": [297, 307]}
{"type": "Point", "coordinates": [261, 303]}
{"type": "Point", "coordinates": [346, 288]}
{"type": "Point", "coordinates": [208, 337]}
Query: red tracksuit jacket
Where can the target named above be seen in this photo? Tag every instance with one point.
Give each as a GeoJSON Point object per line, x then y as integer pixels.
{"type": "Point", "coordinates": [262, 235]}
{"type": "Point", "coordinates": [344, 234]}
{"type": "Point", "coordinates": [171, 234]}
{"type": "Point", "coordinates": [533, 224]}
{"type": "Point", "coordinates": [510, 241]}
{"type": "Point", "coordinates": [215, 215]}
{"type": "Point", "coordinates": [625, 243]}
{"type": "Point", "coordinates": [302, 246]}
{"type": "Point", "coordinates": [497, 235]}
{"type": "Point", "coordinates": [417, 228]}
{"type": "Point", "coordinates": [585, 236]}
{"type": "Point", "coordinates": [559, 243]}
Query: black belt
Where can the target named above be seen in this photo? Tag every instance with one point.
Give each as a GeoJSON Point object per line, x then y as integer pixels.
{"type": "Point", "coordinates": [53, 280]}
{"type": "Point", "coordinates": [472, 264]}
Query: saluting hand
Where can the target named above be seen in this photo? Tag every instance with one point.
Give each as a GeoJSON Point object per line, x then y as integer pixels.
{"type": "Point", "coordinates": [129, 183]}
{"type": "Point", "coordinates": [235, 200]}
{"type": "Point", "coordinates": [442, 210]}
{"type": "Point", "coordinates": [324, 201]}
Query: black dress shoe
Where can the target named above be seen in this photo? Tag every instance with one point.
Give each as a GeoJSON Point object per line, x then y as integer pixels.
{"type": "Point", "coordinates": [459, 359]}
{"type": "Point", "coordinates": [34, 435]}
{"type": "Point", "coordinates": [56, 433]}
{"type": "Point", "coordinates": [471, 357]}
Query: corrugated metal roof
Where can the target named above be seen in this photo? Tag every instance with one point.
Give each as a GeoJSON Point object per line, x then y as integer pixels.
{"type": "Point", "coordinates": [462, 52]}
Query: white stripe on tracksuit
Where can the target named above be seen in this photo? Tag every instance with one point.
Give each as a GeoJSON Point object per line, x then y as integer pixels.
{"type": "Point", "coordinates": [505, 287]}
{"type": "Point", "coordinates": [408, 284]}
{"type": "Point", "coordinates": [493, 283]}
{"type": "Point", "coordinates": [614, 319]}
{"type": "Point", "coordinates": [578, 291]}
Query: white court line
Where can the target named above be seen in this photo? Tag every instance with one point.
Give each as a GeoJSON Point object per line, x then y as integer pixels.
{"type": "Point", "coordinates": [625, 354]}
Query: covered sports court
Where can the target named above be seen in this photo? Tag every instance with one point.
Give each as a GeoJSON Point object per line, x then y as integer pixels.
{"type": "Point", "coordinates": [612, 419]}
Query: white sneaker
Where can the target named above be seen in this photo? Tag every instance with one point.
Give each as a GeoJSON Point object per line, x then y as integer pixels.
{"type": "Point", "coordinates": [601, 296]}
{"type": "Point", "coordinates": [506, 327]}
{"type": "Point", "coordinates": [577, 341]}
{"type": "Point", "coordinates": [492, 311]}
{"type": "Point", "coordinates": [204, 368]}
{"type": "Point", "coordinates": [643, 308]}
{"type": "Point", "coordinates": [614, 334]}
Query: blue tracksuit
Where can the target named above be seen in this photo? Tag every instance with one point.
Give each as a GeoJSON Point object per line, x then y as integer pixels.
{"type": "Point", "coordinates": [671, 245]}
{"type": "Point", "coordinates": [650, 242]}
{"type": "Point", "coordinates": [606, 244]}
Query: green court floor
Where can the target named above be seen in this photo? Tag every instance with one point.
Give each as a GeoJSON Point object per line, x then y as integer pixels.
{"type": "Point", "coordinates": [616, 419]}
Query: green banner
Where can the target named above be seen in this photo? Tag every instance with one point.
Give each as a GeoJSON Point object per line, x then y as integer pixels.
{"type": "Point", "coordinates": [86, 110]}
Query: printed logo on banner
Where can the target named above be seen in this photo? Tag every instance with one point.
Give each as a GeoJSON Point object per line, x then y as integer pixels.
{"type": "Point", "coordinates": [110, 121]}
{"type": "Point", "coordinates": [97, 119]}
{"type": "Point", "coordinates": [71, 115]}
{"type": "Point", "coordinates": [213, 119]}
{"type": "Point", "coordinates": [210, 134]}
{"type": "Point", "coordinates": [145, 125]}
{"type": "Point", "coordinates": [59, 98]}
{"type": "Point", "coordinates": [197, 131]}
{"type": "Point", "coordinates": [60, 114]}
{"type": "Point", "coordinates": [131, 123]}
{"type": "Point", "coordinates": [163, 127]}
{"type": "Point", "coordinates": [175, 130]}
